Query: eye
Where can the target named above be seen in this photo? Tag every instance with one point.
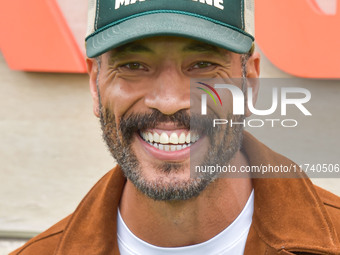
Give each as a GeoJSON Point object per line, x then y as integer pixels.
{"type": "Point", "coordinates": [202, 64]}
{"type": "Point", "coordinates": [134, 66]}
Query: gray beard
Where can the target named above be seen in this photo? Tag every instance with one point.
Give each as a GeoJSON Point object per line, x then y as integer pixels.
{"type": "Point", "coordinates": [218, 153]}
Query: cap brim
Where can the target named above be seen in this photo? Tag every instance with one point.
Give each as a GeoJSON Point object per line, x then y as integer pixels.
{"type": "Point", "coordinates": [172, 24]}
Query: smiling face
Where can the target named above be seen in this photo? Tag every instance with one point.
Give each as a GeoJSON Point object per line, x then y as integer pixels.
{"type": "Point", "coordinates": [143, 102]}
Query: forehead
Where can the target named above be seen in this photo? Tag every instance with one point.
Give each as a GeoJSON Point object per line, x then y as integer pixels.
{"type": "Point", "coordinates": [160, 44]}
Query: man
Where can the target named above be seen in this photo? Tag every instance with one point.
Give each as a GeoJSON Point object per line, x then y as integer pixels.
{"type": "Point", "coordinates": [142, 56]}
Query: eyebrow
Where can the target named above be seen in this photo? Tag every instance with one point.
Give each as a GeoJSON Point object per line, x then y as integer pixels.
{"type": "Point", "coordinates": [129, 48]}
{"type": "Point", "coordinates": [134, 47]}
{"type": "Point", "coordinates": [201, 47]}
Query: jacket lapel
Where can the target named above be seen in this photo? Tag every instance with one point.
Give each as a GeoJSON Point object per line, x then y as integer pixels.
{"type": "Point", "coordinates": [93, 226]}
{"type": "Point", "coordinates": [288, 214]}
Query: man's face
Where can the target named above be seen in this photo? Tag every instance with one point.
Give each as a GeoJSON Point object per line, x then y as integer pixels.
{"type": "Point", "coordinates": [144, 103]}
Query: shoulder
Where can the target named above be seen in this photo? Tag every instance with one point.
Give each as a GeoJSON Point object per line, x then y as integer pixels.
{"type": "Point", "coordinates": [332, 205]}
{"type": "Point", "coordinates": [47, 242]}
{"type": "Point", "coordinates": [44, 243]}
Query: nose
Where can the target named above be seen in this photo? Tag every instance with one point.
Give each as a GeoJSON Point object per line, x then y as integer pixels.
{"type": "Point", "coordinates": [170, 91]}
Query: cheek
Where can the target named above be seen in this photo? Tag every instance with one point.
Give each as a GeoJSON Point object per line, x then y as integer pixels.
{"type": "Point", "coordinates": [123, 96]}
{"type": "Point", "coordinates": [227, 103]}
{"type": "Point", "coordinates": [232, 76]}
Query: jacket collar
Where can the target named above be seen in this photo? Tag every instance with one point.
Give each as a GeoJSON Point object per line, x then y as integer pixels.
{"type": "Point", "coordinates": [92, 228]}
{"type": "Point", "coordinates": [288, 214]}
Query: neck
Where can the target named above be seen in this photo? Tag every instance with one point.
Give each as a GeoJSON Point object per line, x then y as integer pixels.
{"type": "Point", "coordinates": [183, 223]}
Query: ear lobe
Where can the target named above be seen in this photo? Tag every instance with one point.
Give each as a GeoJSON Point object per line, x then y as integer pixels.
{"type": "Point", "coordinates": [92, 69]}
{"type": "Point", "coordinates": [253, 73]}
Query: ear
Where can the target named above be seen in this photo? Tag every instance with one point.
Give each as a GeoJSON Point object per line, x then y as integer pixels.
{"type": "Point", "coordinates": [92, 69]}
{"type": "Point", "coordinates": [253, 73]}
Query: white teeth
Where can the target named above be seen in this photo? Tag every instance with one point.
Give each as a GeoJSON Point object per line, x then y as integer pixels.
{"type": "Point", "coordinates": [173, 138]}
{"type": "Point", "coordinates": [150, 137]}
{"type": "Point", "coordinates": [164, 139]}
{"type": "Point", "coordinates": [188, 138]}
{"type": "Point", "coordinates": [156, 137]}
{"type": "Point", "coordinates": [168, 147]}
{"type": "Point", "coordinates": [172, 143]}
{"type": "Point", "coordinates": [181, 138]}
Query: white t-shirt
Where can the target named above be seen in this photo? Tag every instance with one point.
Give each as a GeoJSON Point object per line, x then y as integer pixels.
{"type": "Point", "coordinates": [230, 241]}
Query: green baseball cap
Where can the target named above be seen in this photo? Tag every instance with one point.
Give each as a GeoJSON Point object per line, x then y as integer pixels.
{"type": "Point", "coordinates": [227, 24]}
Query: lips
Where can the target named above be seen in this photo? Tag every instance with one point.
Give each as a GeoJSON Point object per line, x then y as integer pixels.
{"type": "Point", "coordinates": [169, 140]}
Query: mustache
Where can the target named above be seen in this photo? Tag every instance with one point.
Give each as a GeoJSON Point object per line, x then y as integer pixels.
{"type": "Point", "coordinates": [143, 121]}
{"type": "Point", "coordinates": [132, 123]}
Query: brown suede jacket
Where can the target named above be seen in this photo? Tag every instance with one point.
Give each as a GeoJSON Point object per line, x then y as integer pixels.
{"type": "Point", "coordinates": [291, 216]}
